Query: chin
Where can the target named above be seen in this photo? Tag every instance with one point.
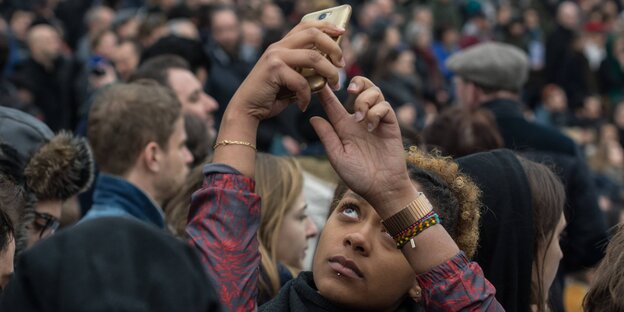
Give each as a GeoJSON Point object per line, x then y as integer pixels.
{"type": "Point", "coordinates": [343, 294]}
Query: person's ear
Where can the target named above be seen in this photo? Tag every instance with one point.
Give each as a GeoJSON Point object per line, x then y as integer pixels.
{"type": "Point", "coordinates": [415, 292]}
{"type": "Point", "coordinates": [152, 157]}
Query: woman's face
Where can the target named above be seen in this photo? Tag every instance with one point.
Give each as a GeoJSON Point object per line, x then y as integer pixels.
{"type": "Point", "coordinates": [357, 264]}
{"type": "Point", "coordinates": [550, 253]}
{"type": "Point", "coordinates": [295, 230]}
{"type": "Point", "coordinates": [404, 65]}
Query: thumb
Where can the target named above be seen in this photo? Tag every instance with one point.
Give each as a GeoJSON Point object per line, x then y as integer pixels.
{"type": "Point", "coordinates": [328, 136]}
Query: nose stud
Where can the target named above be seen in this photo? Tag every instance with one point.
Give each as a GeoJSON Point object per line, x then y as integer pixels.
{"type": "Point", "coordinates": [338, 274]}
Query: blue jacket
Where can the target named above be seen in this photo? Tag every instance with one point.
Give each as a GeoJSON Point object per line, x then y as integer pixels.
{"type": "Point", "coordinates": [115, 196]}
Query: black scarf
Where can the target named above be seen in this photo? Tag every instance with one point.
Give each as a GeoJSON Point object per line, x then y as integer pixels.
{"type": "Point", "coordinates": [506, 239]}
{"type": "Point", "coordinates": [300, 294]}
{"type": "Point", "coordinates": [110, 264]}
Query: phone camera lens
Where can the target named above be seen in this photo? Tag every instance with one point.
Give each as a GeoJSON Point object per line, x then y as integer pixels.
{"type": "Point", "coordinates": [323, 16]}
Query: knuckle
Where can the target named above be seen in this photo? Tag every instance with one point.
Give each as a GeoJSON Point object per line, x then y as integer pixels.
{"type": "Point", "coordinates": [274, 62]}
{"type": "Point", "coordinates": [315, 56]}
{"type": "Point", "coordinates": [301, 84]}
{"type": "Point", "coordinates": [312, 32]}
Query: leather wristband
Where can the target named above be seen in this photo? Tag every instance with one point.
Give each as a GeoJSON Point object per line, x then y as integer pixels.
{"type": "Point", "coordinates": [412, 213]}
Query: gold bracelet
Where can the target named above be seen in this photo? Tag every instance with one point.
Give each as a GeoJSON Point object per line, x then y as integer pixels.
{"type": "Point", "coordinates": [228, 142]}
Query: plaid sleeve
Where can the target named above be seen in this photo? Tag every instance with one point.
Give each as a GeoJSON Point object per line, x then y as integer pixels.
{"type": "Point", "coordinates": [223, 221]}
{"type": "Point", "coordinates": [458, 285]}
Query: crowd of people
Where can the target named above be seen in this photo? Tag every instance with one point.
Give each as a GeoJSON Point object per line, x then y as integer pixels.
{"type": "Point", "coordinates": [463, 155]}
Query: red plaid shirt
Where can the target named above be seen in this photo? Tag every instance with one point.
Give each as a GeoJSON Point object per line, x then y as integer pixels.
{"type": "Point", "coordinates": [223, 223]}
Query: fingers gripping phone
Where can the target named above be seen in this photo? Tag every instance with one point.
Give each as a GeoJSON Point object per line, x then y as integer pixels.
{"type": "Point", "coordinates": [338, 16]}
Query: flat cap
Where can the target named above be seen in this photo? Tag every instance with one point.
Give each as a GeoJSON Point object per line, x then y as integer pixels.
{"type": "Point", "coordinates": [494, 65]}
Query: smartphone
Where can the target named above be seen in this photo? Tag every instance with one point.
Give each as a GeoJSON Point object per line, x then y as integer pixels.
{"type": "Point", "coordinates": [338, 16]}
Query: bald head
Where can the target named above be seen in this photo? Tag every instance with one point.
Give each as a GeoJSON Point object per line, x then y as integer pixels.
{"type": "Point", "coordinates": [568, 15]}
{"type": "Point", "coordinates": [44, 43]}
{"type": "Point", "coordinates": [99, 18]}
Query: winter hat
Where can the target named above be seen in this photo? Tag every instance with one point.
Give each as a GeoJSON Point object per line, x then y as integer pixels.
{"type": "Point", "coordinates": [55, 166]}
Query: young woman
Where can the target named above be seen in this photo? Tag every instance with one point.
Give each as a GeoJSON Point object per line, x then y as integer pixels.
{"type": "Point", "coordinates": [520, 227]}
{"type": "Point", "coordinates": [547, 199]}
{"type": "Point", "coordinates": [284, 225]}
{"type": "Point", "coordinates": [357, 264]}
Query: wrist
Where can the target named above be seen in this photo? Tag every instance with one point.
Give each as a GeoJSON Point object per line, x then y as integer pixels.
{"type": "Point", "coordinates": [392, 200]}
{"type": "Point", "coordinates": [237, 124]}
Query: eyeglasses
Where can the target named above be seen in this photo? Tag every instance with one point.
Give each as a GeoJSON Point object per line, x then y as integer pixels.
{"type": "Point", "coordinates": [45, 224]}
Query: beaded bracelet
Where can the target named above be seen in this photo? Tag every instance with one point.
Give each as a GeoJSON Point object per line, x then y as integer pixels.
{"type": "Point", "coordinates": [411, 227]}
{"type": "Point", "coordinates": [408, 234]}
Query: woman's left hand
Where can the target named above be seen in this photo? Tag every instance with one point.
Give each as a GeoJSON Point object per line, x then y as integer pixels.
{"type": "Point", "coordinates": [365, 148]}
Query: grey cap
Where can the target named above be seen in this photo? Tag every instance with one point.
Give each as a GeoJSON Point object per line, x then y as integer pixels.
{"type": "Point", "coordinates": [492, 65]}
{"type": "Point", "coordinates": [23, 132]}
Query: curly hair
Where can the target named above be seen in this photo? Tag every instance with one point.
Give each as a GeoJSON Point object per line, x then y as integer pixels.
{"type": "Point", "coordinates": [454, 196]}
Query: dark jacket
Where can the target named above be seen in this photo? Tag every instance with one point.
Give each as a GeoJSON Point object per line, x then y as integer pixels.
{"type": "Point", "coordinates": [520, 134]}
{"type": "Point", "coordinates": [116, 197]}
{"type": "Point", "coordinates": [53, 91]}
{"type": "Point", "coordinates": [226, 74]}
{"type": "Point", "coordinates": [110, 264]}
{"type": "Point", "coordinates": [557, 47]}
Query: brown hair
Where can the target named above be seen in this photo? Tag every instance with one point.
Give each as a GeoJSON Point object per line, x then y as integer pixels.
{"type": "Point", "coordinates": [458, 132]}
{"type": "Point", "coordinates": [125, 117]}
{"type": "Point", "coordinates": [453, 195]}
{"type": "Point", "coordinates": [607, 288]}
{"type": "Point", "coordinates": [547, 199]}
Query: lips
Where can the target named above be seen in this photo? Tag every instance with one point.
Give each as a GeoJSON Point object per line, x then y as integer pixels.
{"type": "Point", "coordinates": [345, 267]}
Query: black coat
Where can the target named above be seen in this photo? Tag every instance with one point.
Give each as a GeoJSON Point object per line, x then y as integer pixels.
{"type": "Point", "coordinates": [520, 134]}
{"type": "Point", "coordinates": [53, 91]}
{"type": "Point", "coordinates": [557, 47]}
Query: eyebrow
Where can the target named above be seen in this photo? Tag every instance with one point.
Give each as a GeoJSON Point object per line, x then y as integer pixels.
{"type": "Point", "coordinates": [354, 195]}
{"type": "Point", "coordinates": [304, 207]}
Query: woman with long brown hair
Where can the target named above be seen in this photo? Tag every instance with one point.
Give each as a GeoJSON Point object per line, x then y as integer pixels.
{"type": "Point", "coordinates": [284, 225]}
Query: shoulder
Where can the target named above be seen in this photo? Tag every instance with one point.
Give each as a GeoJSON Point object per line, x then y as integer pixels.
{"type": "Point", "coordinates": [553, 137]}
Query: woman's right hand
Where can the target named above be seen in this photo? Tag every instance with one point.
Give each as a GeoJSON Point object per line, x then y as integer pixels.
{"type": "Point", "coordinates": [256, 98]}
{"type": "Point", "coordinates": [302, 47]}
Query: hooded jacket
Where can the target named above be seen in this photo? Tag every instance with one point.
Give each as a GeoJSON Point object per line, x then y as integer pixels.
{"type": "Point", "coordinates": [506, 229]}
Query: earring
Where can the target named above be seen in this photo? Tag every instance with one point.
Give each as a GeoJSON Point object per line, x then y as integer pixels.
{"type": "Point", "coordinates": [416, 295]}
{"type": "Point", "coordinates": [338, 274]}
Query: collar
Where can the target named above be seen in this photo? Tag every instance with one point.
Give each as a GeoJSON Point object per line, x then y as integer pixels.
{"type": "Point", "coordinates": [117, 192]}
{"type": "Point", "coordinates": [504, 108]}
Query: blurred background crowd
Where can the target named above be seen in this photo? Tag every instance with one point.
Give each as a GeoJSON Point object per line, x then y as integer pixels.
{"type": "Point", "coordinates": [56, 54]}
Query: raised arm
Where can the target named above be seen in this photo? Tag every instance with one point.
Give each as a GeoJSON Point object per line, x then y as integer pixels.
{"type": "Point", "coordinates": [225, 213]}
{"type": "Point", "coordinates": [365, 149]}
